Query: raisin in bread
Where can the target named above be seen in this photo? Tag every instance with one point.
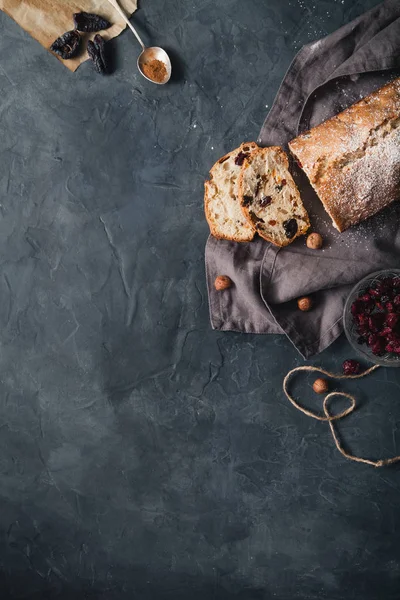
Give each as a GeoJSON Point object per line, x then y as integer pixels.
{"type": "Point", "coordinates": [270, 198]}
{"type": "Point", "coordinates": [223, 211]}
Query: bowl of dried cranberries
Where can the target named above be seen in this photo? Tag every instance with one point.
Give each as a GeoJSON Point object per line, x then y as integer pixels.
{"type": "Point", "coordinates": [372, 318]}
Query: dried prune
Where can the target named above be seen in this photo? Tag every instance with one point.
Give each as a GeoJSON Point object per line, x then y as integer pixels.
{"type": "Point", "coordinates": [96, 51]}
{"type": "Point", "coordinates": [67, 45]}
{"type": "Point", "coordinates": [290, 228]}
{"type": "Point", "coordinates": [89, 22]}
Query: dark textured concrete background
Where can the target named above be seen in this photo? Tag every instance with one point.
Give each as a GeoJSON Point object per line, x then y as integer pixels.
{"type": "Point", "coordinates": [143, 455]}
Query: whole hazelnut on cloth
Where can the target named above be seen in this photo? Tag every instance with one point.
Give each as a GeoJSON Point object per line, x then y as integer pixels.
{"type": "Point", "coordinates": [320, 386]}
{"type": "Point", "coordinates": [222, 282]}
{"type": "Point", "coordinates": [314, 241]}
{"type": "Point", "coordinates": [305, 303]}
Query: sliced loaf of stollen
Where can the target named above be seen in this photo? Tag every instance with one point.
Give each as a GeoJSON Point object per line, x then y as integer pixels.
{"type": "Point", "coordinates": [270, 198]}
{"type": "Point", "coordinates": [353, 159]}
{"type": "Point", "coordinates": [221, 203]}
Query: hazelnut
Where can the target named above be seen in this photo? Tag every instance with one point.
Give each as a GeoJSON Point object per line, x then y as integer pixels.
{"type": "Point", "coordinates": [314, 241]}
{"type": "Point", "coordinates": [222, 282]}
{"type": "Point", "coordinates": [305, 303]}
{"type": "Point", "coordinates": [320, 386]}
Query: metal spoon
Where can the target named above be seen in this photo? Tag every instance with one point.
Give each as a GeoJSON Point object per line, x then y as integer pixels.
{"type": "Point", "coordinates": [148, 54]}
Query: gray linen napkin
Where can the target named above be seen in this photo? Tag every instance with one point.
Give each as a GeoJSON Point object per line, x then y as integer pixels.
{"type": "Point", "coordinates": [325, 77]}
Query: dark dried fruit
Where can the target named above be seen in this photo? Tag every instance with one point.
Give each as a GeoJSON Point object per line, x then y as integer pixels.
{"type": "Point", "coordinates": [89, 22]}
{"type": "Point", "coordinates": [254, 217]}
{"type": "Point", "coordinates": [351, 367]}
{"type": "Point", "coordinates": [290, 228]}
{"type": "Point", "coordinates": [376, 322]}
{"type": "Point", "coordinates": [247, 200]}
{"type": "Point", "coordinates": [356, 308]}
{"type": "Point", "coordinates": [379, 347]}
{"type": "Point", "coordinates": [240, 159]}
{"type": "Point", "coordinates": [393, 347]}
{"type": "Point", "coordinates": [280, 185]}
{"type": "Point", "coordinates": [392, 320]}
{"type": "Point", "coordinates": [67, 45]}
{"type": "Point", "coordinates": [265, 201]}
{"type": "Point", "coordinates": [96, 51]}
{"type": "Point", "coordinates": [374, 292]}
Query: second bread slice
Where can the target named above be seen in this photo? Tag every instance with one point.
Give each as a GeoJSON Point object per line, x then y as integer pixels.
{"type": "Point", "coordinates": [270, 198]}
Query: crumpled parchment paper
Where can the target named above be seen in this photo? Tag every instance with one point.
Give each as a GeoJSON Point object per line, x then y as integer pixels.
{"type": "Point", "coordinates": [46, 20]}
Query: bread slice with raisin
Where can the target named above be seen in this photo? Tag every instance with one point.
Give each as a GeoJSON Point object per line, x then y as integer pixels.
{"type": "Point", "coordinates": [221, 203]}
{"type": "Point", "coordinates": [269, 197]}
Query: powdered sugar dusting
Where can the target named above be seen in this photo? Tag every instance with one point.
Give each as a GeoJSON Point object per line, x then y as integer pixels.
{"type": "Point", "coordinates": [353, 160]}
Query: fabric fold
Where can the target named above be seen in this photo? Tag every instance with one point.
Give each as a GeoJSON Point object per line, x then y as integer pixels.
{"type": "Point", "coordinates": [324, 78]}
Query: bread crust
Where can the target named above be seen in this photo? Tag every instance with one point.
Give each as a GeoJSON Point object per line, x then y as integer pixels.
{"type": "Point", "coordinates": [248, 232]}
{"type": "Point", "coordinates": [353, 159]}
{"type": "Point", "coordinates": [279, 156]}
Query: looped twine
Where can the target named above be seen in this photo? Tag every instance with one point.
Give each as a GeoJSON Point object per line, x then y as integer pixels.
{"type": "Point", "coordinates": [330, 418]}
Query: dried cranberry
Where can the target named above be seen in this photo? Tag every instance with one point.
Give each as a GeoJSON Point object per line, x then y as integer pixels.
{"type": "Point", "coordinates": [372, 339]}
{"type": "Point", "coordinates": [240, 158]}
{"type": "Point", "coordinates": [392, 320]}
{"type": "Point", "coordinates": [393, 337]}
{"type": "Point", "coordinates": [396, 282]}
{"type": "Point", "coordinates": [300, 165]}
{"type": "Point", "coordinates": [265, 201]}
{"type": "Point", "coordinates": [396, 300]}
{"type": "Point", "coordinates": [389, 307]}
{"type": "Point", "coordinates": [351, 367]}
{"type": "Point", "coordinates": [379, 347]}
{"type": "Point", "coordinates": [374, 293]}
{"type": "Point", "coordinates": [376, 322]}
{"type": "Point", "coordinates": [362, 320]}
{"type": "Point", "coordinates": [387, 283]}
{"type": "Point", "coordinates": [393, 347]}
{"type": "Point", "coordinates": [365, 298]}
{"type": "Point", "coordinates": [283, 182]}
{"type": "Point", "coordinates": [356, 308]}
{"type": "Point", "coordinates": [385, 332]}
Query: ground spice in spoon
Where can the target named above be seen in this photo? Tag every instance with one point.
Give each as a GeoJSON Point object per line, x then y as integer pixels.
{"type": "Point", "coordinates": [155, 70]}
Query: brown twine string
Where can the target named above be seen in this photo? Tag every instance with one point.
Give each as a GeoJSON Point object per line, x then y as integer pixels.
{"type": "Point", "coordinates": [331, 418]}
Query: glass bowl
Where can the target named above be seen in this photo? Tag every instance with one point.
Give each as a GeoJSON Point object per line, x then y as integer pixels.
{"type": "Point", "coordinates": [388, 359]}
